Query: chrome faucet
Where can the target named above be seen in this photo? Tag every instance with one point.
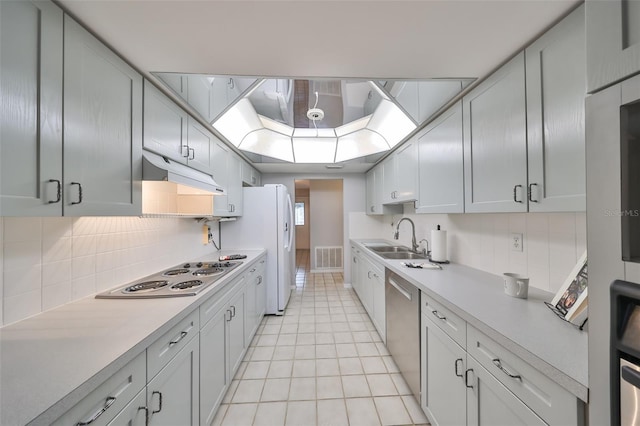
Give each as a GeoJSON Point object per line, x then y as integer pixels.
{"type": "Point", "coordinates": [396, 235]}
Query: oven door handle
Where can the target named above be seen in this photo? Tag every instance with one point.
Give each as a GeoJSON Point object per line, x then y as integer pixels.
{"type": "Point", "coordinates": [630, 375]}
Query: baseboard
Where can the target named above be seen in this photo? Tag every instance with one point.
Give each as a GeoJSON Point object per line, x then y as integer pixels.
{"type": "Point", "coordinates": [326, 270]}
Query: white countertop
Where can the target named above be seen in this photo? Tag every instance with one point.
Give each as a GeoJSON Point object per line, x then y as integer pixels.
{"type": "Point", "coordinates": [526, 327]}
{"type": "Point", "coordinates": [49, 362]}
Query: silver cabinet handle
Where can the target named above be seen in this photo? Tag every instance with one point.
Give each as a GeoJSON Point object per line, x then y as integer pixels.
{"type": "Point", "coordinates": [515, 193]}
{"type": "Point", "coordinates": [108, 403]}
{"type": "Point", "coordinates": [58, 191]}
{"type": "Point", "coordinates": [466, 378]}
{"type": "Point", "coordinates": [183, 149]}
{"type": "Point", "coordinates": [159, 401]}
{"type": "Point", "coordinates": [260, 280]}
{"type": "Point", "coordinates": [79, 192]}
{"type": "Point", "coordinates": [373, 209]}
{"type": "Point", "coordinates": [439, 315]}
{"type": "Point", "coordinates": [369, 274]}
{"type": "Point", "coordinates": [233, 311]}
{"type": "Point", "coordinates": [253, 270]}
{"type": "Point", "coordinates": [530, 192]}
{"type": "Point", "coordinates": [228, 312]}
{"type": "Point", "coordinates": [402, 291]}
{"type": "Point", "coordinates": [182, 336]}
{"type": "Point", "coordinates": [193, 153]}
{"type": "Point", "coordinates": [497, 363]}
{"type": "Point", "coordinates": [455, 367]}
{"type": "Point", "coordinates": [355, 260]}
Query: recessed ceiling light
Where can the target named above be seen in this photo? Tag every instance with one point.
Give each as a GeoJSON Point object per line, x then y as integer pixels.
{"type": "Point", "coordinates": [334, 166]}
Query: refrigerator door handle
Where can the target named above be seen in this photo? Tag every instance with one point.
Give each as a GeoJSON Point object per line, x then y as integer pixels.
{"type": "Point", "coordinates": [286, 224]}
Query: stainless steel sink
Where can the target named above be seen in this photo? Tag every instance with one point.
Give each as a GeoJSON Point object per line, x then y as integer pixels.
{"type": "Point", "coordinates": [402, 255]}
{"type": "Point", "coordinates": [390, 249]}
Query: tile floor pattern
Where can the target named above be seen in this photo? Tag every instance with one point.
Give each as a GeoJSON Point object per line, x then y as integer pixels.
{"type": "Point", "coordinates": [322, 363]}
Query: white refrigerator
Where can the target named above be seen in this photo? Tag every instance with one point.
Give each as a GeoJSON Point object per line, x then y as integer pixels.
{"type": "Point", "coordinates": [267, 222]}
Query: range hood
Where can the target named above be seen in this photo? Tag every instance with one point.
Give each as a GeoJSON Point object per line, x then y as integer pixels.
{"type": "Point", "coordinates": [159, 168]}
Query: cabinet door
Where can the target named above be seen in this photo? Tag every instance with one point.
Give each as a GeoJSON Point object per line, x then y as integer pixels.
{"type": "Point", "coordinates": [495, 142]}
{"type": "Point", "coordinates": [102, 128]}
{"type": "Point", "coordinates": [177, 82]}
{"type": "Point", "coordinates": [236, 329]}
{"type": "Point", "coordinates": [213, 365]}
{"type": "Point", "coordinates": [371, 207]}
{"type": "Point", "coordinates": [173, 395]}
{"type": "Point", "coordinates": [165, 125]}
{"type": "Point", "coordinates": [250, 305]}
{"type": "Point", "coordinates": [379, 311]}
{"type": "Point", "coordinates": [366, 293]}
{"type": "Point", "coordinates": [490, 403]}
{"type": "Point", "coordinates": [406, 171]}
{"type": "Point", "coordinates": [388, 180]}
{"type": "Point", "coordinates": [234, 185]}
{"type": "Point", "coordinates": [134, 414]}
{"type": "Point", "coordinates": [201, 146]}
{"type": "Point", "coordinates": [613, 41]}
{"type": "Point", "coordinates": [556, 89]}
{"type": "Point", "coordinates": [221, 153]}
{"type": "Point", "coordinates": [31, 108]}
{"type": "Point", "coordinates": [444, 363]}
{"type": "Point", "coordinates": [261, 291]}
{"type": "Point", "coordinates": [441, 170]}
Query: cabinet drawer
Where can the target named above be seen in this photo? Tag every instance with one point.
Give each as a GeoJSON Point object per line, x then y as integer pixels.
{"type": "Point", "coordinates": [550, 401]}
{"type": "Point", "coordinates": [449, 322]}
{"type": "Point", "coordinates": [160, 352]}
{"type": "Point", "coordinates": [108, 399]}
{"type": "Point", "coordinates": [216, 302]}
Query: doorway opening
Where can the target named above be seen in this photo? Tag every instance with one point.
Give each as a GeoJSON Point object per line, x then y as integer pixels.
{"type": "Point", "coordinates": [319, 221]}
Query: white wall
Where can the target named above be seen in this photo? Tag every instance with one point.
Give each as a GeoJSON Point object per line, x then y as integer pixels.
{"type": "Point", "coordinates": [553, 242]}
{"type": "Point", "coordinates": [47, 262]}
{"type": "Point", "coordinates": [326, 215]}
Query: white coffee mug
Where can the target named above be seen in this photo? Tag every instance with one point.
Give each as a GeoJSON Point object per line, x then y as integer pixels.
{"type": "Point", "coordinates": [516, 285]}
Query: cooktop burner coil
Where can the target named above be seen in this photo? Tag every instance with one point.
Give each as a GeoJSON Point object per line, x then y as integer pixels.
{"type": "Point", "coordinates": [208, 271]}
{"type": "Point", "coordinates": [145, 286]}
{"type": "Point", "coordinates": [185, 285]}
{"type": "Point", "coordinates": [173, 272]}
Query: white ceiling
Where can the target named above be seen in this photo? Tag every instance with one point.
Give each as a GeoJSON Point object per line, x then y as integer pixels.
{"type": "Point", "coordinates": [319, 38]}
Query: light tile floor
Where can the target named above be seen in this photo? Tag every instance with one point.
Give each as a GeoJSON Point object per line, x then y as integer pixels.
{"type": "Point", "coordinates": [322, 363]}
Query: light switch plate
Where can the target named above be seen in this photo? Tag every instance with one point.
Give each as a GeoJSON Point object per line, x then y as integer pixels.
{"type": "Point", "coordinates": [516, 242]}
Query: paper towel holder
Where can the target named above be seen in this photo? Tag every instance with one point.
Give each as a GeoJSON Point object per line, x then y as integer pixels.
{"type": "Point", "coordinates": [427, 253]}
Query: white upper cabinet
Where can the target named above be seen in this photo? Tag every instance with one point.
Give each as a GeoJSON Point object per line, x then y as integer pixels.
{"type": "Point", "coordinates": [200, 143]}
{"type": "Point", "coordinates": [227, 172]}
{"type": "Point", "coordinates": [102, 128]}
{"type": "Point", "coordinates": [165, 125]}
{"type": "Point", "coordinates": [556, 89]}
{"type": "Point", "coordinates": [250, 176]}
{"type": "Point", "coordinates": [31, 109]}
{"type": "Point", "coordinates": [441, 185]}
{"type": "Point", "coordinates": [375, 191]}
{"type": "Point", "coordinates": [495, 142]}
{"type": "Point", "coordinates": [199, 95]}
{"type": "Point", "coordinates": [400, 174]}
{"type": "Point", "coordinates": [613, 41]}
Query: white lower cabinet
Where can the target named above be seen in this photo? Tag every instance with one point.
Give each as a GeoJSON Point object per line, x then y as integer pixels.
{"type": "Point", "coordinates": [173, 395]}
{"type": "Point", "coordinates": [468, 378]}
{"type": "Point", "coordinates": [444, 393]}
{"type": "Point", "coordinates": [222, 345]}
{"type": "Point", "coordinates": [368, 282]}
{"type": "Point", "coordinates": [255, 299]}
{"type": "Point", "coordinates": [136, 413]}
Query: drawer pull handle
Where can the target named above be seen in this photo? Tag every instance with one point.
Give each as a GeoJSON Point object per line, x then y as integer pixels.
{"type": "Point", "coordinates": [439, 315]}
{"type": "Point", "coordinates": [146, 415]}
{"type": "Point", "coordinates": [466, 378]}
{"type": "Point", "coordinates": [515, 193]}
{"type": "Point", "coordinates": [498, 364]}
{"type": "Point", "coordinates": [455, 367]}
{"type": "Point", "coordinates": [159, 401]}
{"type": "Point", "coordinates": [58, 191]}
{"type": "Point", "coordinates": [182, 336]}
{"type": "Point", "coordinates": [79, 193]}
{"type": "Point", "coordinates": [108, 403]}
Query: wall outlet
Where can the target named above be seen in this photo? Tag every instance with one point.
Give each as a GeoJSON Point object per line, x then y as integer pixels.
{"type": "Point", "coordinates": [516, 242]}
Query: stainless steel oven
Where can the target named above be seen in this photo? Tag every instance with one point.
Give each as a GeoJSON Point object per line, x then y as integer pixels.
{"type": "Point", "coordinates": [625, 353]}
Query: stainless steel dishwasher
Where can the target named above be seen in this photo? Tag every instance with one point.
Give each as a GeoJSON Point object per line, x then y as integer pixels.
{"type": "Point", "coordinates": [402, 303]}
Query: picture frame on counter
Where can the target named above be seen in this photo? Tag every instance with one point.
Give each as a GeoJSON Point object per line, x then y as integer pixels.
{"type": "Point", "coordinates": [571, 300]}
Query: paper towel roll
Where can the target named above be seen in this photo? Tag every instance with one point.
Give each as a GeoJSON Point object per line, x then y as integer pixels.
{"type": "Point", "coordinates": [438, 245]}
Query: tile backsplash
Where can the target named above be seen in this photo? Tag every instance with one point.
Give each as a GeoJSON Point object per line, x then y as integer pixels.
{"type": "Point", "coordinates": [47, 262]}
{"type": "Point", "coordinates": [552, 242]}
